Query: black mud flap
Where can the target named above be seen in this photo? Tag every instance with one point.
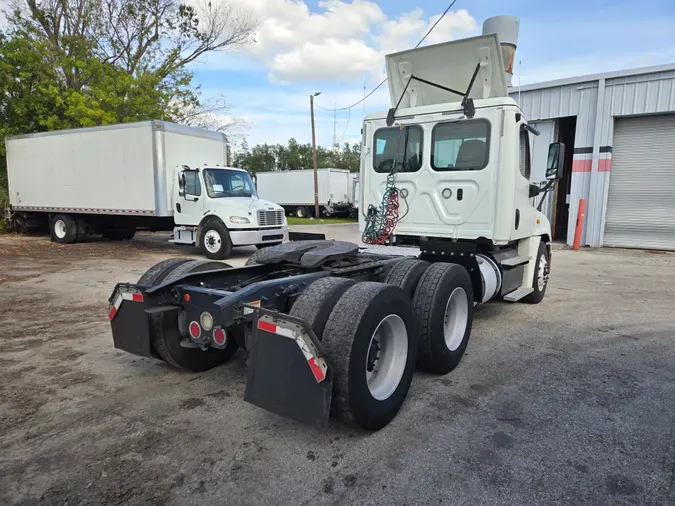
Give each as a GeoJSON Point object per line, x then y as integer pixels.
{"type": "Point", "coordinates": [129, 321]}
{"type": "Point", "coordinates": [287, 371]}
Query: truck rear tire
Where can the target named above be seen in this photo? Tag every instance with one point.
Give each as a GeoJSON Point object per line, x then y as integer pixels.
{"type": "Point", "coordinates": [316, 303]}
{"type": "Point", "coordinates": [165, 336]}
{"type": "Point", "coordinates": [63, 229]}
{"type": "Point", "coordinates": [443, 304]}
{"type": "Point", "coordinates": [301, 212]}
{"type": "Point", "coordinates": [541, 273]}
{"type": "Point", "coordinates": [214, 240]}
{"type": "Point", "coordinates": [406, 274]}
{"type": "Point", "coordinates": [81, 228]}
{"type": "Point", "coordinates": [370, 341]}
{"type": "Point", "coordinates": [155, 274]}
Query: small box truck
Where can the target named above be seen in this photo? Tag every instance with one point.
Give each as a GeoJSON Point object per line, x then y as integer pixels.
{"type": "Point", "coordinates": [152, 175]}
{"type": "Point", "coordinates": [294, 190]}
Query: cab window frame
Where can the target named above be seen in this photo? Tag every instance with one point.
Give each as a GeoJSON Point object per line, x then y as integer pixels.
{"type": "Point", "coordinates": [488, 135]}
{"type": "Point", "coordinates": [396, 128]}
{"type": "Point", "coordinates": [197, 186]}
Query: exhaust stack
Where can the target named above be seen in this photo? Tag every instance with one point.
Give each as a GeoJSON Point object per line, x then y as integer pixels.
{"type": "Point", "coordinates": [506, 28]}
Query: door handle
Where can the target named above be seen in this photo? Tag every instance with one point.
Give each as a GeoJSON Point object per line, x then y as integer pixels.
{"type": "Point", "coordinates": [177, 207]}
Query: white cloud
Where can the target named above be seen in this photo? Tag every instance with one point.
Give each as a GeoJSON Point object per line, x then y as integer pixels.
{"type": "Point", "coordinates": [342, 41]}
{"type": "Point", "coordinates": [331, 59]}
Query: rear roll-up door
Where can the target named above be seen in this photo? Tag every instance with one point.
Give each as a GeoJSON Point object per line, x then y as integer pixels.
{"type": "Point", "coordinates": [641, 200]}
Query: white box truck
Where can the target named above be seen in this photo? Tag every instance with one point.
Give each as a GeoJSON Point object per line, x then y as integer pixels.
{"type": "Point", "coordinates": [294, 190]}
{"type": "Point", "coordinates": [151, 175]}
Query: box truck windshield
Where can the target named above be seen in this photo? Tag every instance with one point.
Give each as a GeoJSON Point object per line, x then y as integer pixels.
{"type": "Point", "coordinates": [222, 183]}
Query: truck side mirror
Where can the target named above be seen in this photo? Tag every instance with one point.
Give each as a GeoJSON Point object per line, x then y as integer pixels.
{"type": "Point", "coordinates": [556, 161]}
{"type": "Point", "coordinates": [181, 184]}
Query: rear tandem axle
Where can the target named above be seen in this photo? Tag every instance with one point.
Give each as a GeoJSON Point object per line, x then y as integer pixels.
{"type": "Point", "coordinates": [327, 329]}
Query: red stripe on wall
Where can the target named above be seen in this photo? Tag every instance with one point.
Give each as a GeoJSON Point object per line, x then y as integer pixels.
{"type": "Point", "coordinates": [581, 165]}
{"type": "Point", "coordinates": [586, 165]}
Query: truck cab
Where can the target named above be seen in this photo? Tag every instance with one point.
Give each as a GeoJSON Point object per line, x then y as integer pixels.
{"type": "Point", "coordinates": [217, 208]}
{"type": "Point", "coordinates": [450, 161]}
{"type": "Point", "coordinates": [457, 177]}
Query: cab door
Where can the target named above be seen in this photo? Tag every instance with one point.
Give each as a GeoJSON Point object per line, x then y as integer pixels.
{"type": "Point", "coordinates": [442, 170]}
{"type": "Point", "coordinates": [189, 205]}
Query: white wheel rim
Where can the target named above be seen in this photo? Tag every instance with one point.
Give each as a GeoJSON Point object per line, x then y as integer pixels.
{"type": "Point", "coordinates": [301, 213]}
{"type": "Point", "coordinates": [60, 228]}
{"type": "Point", "coordinates": [456, 318]}
{"type": "Point", "coordinates": [387, 356]}
{"type": "Point", "coordinates": [212, 241]}
{"type": "Point", "coordinates": [542, 275]}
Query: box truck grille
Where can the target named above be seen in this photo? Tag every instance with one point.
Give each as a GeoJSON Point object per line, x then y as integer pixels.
{"type": "Point", "coordinates": [269, 218]}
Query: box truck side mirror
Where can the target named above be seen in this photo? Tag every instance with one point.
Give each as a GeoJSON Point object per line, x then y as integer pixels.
{"type": "Point", "coordinates": [181, 184]}
{"type": "Point", "coordinates": [556, 161]}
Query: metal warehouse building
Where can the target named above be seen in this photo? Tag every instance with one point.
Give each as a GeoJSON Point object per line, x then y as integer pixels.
{"type": "Point", "coordinates": [619, 131]}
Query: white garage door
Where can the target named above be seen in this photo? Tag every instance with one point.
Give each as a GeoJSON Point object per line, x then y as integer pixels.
{"type": "Point", "coordinates": [641, 203]}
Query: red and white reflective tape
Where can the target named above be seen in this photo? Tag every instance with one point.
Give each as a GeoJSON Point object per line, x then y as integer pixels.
{"type": "Point", "coordinates": [134, 297]}
{"type": "Point", "coordinates": [316, 364]}
{"type": "Point", "coordinates": [85, 210]}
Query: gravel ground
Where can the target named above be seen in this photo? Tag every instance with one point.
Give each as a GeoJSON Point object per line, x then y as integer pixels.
{"type": "Point", "coordinates": [567, 402]}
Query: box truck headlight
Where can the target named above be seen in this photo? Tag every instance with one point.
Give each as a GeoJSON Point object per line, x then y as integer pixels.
{"type": "Point", "coordinates": [239, 220]}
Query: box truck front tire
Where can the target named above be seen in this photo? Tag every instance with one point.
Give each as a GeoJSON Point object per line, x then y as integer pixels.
{"type": "Point", "coordinates": [214, 240]}
{"type": "Point", "coordinates": [63, 229]}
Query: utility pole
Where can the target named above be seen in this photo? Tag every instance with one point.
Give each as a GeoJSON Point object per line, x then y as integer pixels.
{"type": "Point", "coordinates": [316, 173]}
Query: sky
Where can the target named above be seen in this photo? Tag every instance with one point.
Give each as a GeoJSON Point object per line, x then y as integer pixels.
{"type": "Point", "coordinates": [337, 47]}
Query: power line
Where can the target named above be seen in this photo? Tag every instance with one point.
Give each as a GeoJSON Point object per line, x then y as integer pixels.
{"type": "Point", "coordinates": [349, 116]}
{"type": "Point", "coordinates": [437, 21]}
{"type": "Point", "coordinates": [385, 79]}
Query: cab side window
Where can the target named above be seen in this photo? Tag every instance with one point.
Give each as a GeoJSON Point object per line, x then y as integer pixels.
{"type": "Point", "coordinates": [192, 184]}
{"type": "Point", "coordinates": [524, 154]}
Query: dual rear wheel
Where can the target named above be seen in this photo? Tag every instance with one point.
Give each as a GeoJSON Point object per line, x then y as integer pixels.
{"type": "Point", "coordinates": [165, 337]}
{"type": "Point", "coordinates": [374, 334]}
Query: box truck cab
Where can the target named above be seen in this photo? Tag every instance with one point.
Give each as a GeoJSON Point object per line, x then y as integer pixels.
{"type": "Point", "coordinates": [218, 208]}
{"type": "Point", "coordinates": [151, 175]}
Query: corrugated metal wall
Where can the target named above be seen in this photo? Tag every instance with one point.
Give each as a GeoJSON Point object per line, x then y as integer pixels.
{"type": "Point", "coordinates": [605, 97]}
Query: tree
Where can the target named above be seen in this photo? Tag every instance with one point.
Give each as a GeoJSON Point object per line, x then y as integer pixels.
{"type": "Point", "coordinates": [128, 57]}
{"type": "Point", "coordinates": [296, 156]}
{"type": "Point", "coordinates": [74, 63]}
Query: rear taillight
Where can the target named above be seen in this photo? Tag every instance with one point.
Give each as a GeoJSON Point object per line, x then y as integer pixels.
{"type": "Point", "coordinates": [219, 337]}
{"type": "Point", "coordinates": [195, 330]}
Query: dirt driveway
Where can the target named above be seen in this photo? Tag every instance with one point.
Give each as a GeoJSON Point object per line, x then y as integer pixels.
{"type": "Point", "coordinates": [571, 401]}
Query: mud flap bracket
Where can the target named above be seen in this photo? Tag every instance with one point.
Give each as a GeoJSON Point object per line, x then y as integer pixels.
{"type": "Point", "coordinates": [287, 371]}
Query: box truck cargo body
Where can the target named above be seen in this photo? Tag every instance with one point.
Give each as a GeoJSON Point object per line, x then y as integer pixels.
{"type": "Point", "coordinates": [294, 190]}
{"type": "Point", "coordinates": [116, 179]}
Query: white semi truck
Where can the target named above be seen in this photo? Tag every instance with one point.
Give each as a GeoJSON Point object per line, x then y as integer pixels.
{"type": "Point", "coordinates": [152, 175]}
{"type": "Point", "coordinates": [331, 327]}
{"type": "Point", "coordinates": [294, 190]}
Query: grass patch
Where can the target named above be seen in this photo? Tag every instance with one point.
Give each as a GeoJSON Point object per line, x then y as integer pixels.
{"type": "Point", "coordinates": [323, 221]}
